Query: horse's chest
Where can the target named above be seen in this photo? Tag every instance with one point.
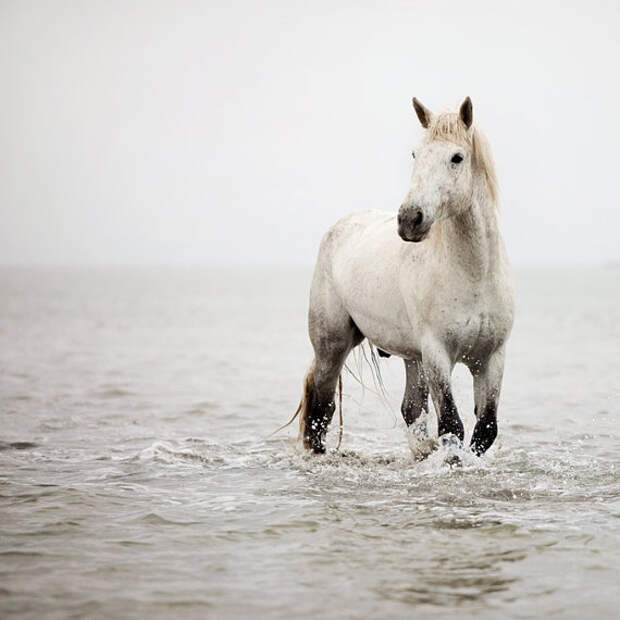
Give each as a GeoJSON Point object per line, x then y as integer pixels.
{"type": "Point", "coordinates": [473, 331]}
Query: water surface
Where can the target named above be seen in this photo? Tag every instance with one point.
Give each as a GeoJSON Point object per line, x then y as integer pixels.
{"type": "Point", "coordinates": [137, 477]}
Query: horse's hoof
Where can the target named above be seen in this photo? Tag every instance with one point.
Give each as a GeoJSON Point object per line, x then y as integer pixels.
{"type": "Point", "coordinates": [450, 443]}
{"type": "Point", "coordinates": [317, 448]}
{"type": "Point", "coordinates": [453, 461]}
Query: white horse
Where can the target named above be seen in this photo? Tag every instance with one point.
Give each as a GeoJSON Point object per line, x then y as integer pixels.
{"type": "Point", "coordinates": [430, 285]}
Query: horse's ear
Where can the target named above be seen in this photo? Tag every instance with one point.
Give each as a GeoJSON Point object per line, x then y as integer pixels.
{"type": "Point", "coordinates": [466, 113]}
{"type": "Point", "coordinates": [424, 114]}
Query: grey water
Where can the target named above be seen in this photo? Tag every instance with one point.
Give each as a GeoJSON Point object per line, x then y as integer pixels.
{"type": "Point", "coordinates": [138, 477]}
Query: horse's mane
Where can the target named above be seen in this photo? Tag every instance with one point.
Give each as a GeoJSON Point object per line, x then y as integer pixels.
{"type": "Point", "coordinates": [448, 126]}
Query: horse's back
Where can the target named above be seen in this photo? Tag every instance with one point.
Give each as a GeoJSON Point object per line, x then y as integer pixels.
{"type": "Point", "coordinates": [349, 229]}
{"type": "Point", "coordinates": [347, 246]}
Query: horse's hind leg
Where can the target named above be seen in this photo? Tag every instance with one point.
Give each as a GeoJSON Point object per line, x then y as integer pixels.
{"type": "Point", "coordinates": [333, 334]}
{"type": "Point", "coordinates": [487, 386]}
{"type": "Point", "coordinates": [415, 399]}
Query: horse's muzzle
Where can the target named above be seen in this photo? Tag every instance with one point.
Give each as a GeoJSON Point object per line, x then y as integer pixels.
{"type": "Point", "coordinates": [412, 225]}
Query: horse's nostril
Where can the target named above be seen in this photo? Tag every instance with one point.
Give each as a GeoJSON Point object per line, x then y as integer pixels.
{"type": "Point", "coordinates": [418, 218]}
{"type": "Point", "coordinates": [400, 219]}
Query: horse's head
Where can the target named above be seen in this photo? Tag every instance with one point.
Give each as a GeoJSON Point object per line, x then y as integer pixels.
{"type": "Point", "coordinates": [442, 178]}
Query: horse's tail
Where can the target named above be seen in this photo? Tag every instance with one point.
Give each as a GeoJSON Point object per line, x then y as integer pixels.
{"type": "Point", "coordinates": [303, 410]}
{"type": "Point", "coordinates": [304, 405]}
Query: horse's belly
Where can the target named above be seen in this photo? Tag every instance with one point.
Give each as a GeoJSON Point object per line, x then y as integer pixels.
{"type": "Point", "coordinates": [394, 337]}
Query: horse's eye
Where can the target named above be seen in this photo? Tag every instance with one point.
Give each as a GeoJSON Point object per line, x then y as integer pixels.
{"type": "Point", "coordinates": [457, 158]}
{"type": "Point", "coordinates": [413, 154]}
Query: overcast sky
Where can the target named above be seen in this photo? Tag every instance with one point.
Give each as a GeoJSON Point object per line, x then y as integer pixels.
{"type": "Point", "coordinates": [237, 132]}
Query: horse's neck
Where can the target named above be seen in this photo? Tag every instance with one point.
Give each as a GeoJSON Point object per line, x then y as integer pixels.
{"type": "Point", "coordinates": [470, 241]}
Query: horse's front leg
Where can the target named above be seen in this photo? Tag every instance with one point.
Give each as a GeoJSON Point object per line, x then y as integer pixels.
{"type": "Point", "coordinates": [487, 386]}
{"type": "Point", "coordinates": [414, 405]}
{"type": "Point", "coordinates": [438, 370]}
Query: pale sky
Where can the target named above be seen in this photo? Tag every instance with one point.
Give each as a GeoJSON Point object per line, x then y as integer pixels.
{"type": "Point", "coordinates": [238, 132]}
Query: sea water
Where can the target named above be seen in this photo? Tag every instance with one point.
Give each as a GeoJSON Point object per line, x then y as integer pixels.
{"type": "Point", "coordinates": [138, 477]}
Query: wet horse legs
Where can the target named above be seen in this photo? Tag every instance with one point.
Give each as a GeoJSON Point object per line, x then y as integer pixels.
{"type": "Point", "coordinates": [487, 386]}
{"type": "Point", "coordinates": [437, 370]}
{"type": "Point", "coordinates": [415, 399]}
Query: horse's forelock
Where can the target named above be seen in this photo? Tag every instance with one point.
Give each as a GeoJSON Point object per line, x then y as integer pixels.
{"type": "Point", "coordinates": [448, 126]}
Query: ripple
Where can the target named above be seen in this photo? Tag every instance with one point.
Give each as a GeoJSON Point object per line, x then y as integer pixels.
{"type": "Point", "coordinates": [153, 518]}
{"type": "Point", "coordinates": [169, 453]}
{"type": "Point", "coordinates": [18, 445]}
{"type": "Point", "coordinates": [112, 393]}
{"type": "Point", "coordinates": [22, 553]}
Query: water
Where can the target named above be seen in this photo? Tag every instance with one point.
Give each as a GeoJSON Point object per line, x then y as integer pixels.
{"type": "Point", "coordinates": [137, 478]}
